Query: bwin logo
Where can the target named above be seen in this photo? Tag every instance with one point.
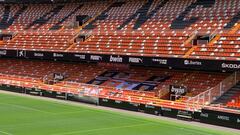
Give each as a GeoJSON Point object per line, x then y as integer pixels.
{"type": "Point", "coordinates": [58, 77]}
{"type": "Point", "coordinates": [96, 57]}
{"type": "Point", "coordinates": [178, 91]}
{"type": "Point", "coordinates": [135, 60]}
{"type": "Point", "coordinates": [238, 120]}
{"type": "Point", "coordinates": [116, 59]}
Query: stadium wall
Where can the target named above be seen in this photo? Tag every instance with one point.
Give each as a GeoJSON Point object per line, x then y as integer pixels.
{"type": "Point", "coordinates": [176, 63]}
{"type": "Point", "coordinates": [214, 117]}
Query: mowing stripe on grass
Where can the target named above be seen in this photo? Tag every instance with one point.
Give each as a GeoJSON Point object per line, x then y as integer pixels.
{"type": "Point", "coordinates": [27, 108]}
{"type": "Point", "coordinates": [5, 133]}
{"type": "Point", "coordinates": [73, 112]}
{"type": "Point", "coordinates": [102, 129]}
{"type": "Point", "coordinates": [102, 121]}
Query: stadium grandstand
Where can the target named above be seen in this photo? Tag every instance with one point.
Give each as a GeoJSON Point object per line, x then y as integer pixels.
{"type": "Point", "coordinates": [175, 58]}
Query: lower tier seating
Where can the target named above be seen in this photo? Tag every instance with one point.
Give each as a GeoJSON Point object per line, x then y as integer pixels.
{"type": "Point", "coordinates": [135, 78]}
{"type": "Point", "coordinates": [231, 98]}
{"type": "Point", "coordinates": [137, 84]}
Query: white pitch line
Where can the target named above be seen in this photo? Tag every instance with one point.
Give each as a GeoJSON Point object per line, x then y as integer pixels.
{"type": "Point", "coordinates": [101, 129]}
{"type": "Point", "coordinates": [5, 133]}
{"type": "Point", "coordinates": [195, 131]}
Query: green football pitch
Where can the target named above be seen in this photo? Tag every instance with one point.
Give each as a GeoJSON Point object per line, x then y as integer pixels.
{"type": "Point", "coordinates": [28, 116]}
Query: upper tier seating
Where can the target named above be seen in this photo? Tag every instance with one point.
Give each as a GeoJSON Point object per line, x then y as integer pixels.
{"type": "Point", "coordinates": [120, 31]}
{"type": "Point", "coordinates": [226, 48]}
{"type": "Point", "coordinates": [164, 45]}
{"type": "Point", "coordinates": [160, 28]}
{"type": "Point", "coordinates": [40, 41]}
{"type": "Point", "coordinates": [42, 17]}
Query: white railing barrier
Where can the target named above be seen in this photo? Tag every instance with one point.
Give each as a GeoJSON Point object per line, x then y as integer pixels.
{"type": "Point", "coordinates": [206, 97]}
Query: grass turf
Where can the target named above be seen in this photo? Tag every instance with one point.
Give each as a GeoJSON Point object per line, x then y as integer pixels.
{"type": "Point", "coordinates": [27, 116]}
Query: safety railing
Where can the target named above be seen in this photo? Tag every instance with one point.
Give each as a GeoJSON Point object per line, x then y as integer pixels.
{"type": "Point", "coordinates": [206, 97]}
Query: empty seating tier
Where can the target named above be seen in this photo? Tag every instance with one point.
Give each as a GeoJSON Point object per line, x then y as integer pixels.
{"type": "Point", "coordinates": [226, 48]}
{"type": "Point", "coordinates": [161, 45]}
{"type": "Point", "coordinates": [133, 79]}
{"type": "Point", "coordinates": [159, 28]}
{"type": "Point", "coordinates": [231, 98]}
{"type": "Point", "coordinates": [39, 41]}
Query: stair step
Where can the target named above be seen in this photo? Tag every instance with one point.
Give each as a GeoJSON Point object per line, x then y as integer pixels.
{"type": "Point", "coordinates": [227, 96]}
